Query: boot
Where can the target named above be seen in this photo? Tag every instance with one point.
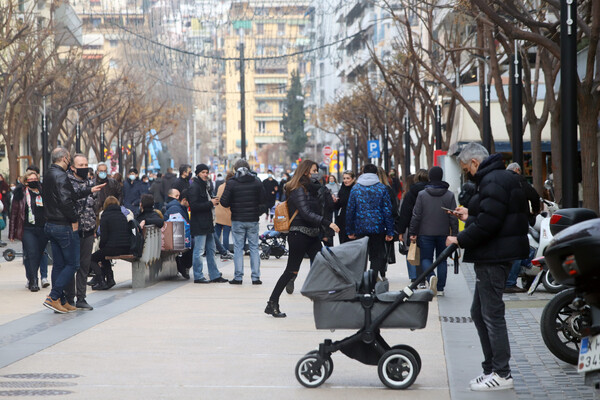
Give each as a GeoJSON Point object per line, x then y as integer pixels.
{"type": "Point", "coordinates": [100, 286]}
{"type": "Point", "coordinates": [273, 309]}
{"type": "Point", "coordinates": [110, 278]}
{"type": "Point", "coordinates": [33, 285]}
{"type": "Point", "coordinates": [94, 281]}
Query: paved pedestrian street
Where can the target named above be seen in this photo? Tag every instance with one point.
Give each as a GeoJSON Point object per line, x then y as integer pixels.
{"type": "Point", "coordinates": [180, 340]}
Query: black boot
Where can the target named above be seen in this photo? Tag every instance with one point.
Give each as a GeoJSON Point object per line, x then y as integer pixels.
{"type": "Point", "coordinates": [94, 281]}
{"type": "Point", "coordinates": [100, 286]}
{"type": "Point", "coordinates": [110, 278]}
{"type": "Point", "coordinates": [33, 285]}
{"type": "Point", "coordinates": [273, 309]}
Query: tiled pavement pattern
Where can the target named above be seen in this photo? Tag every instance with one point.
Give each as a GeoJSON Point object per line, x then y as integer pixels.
{"type": "Point", "coordinates": [537, 373]}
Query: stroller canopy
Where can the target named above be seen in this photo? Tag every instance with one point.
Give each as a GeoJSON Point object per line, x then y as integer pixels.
{"type": "Point", "coordinates": [336, 272]}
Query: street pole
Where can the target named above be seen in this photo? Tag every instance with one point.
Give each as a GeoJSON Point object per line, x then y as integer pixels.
{"type": "Point", "coordinates": [487, 127]}
{"type": "Point", "coordinates": [242, 98]}
{"type": "Point", "coordinates": [102, 144]}
{"type": "Point", "coordinates": [195, 146]}
{"type": "Point", "coordinates": [407, 145]}
{"type": "Point", "coordinates": [78, 136]}
{"type": "Point", "coordinates": [386, 156]}
{"type": "Point", "coordinates": [355, 152]}
{"type": "Point", "coordinates": [44, 139]}
{"type": "Point", "coordinates": [346, 152]}
{"type": "Point", "coordinates": [189, 157]}
{"type": "Point", "coordinates": [517, 107]}
{"type": "Point", "coordinates": [120, 152]}
{"type": "Point", "coordinates": [133, 153]}
{"type": "Point", "coordinates": [568, 101]}
{"type": "Point", "coordinates": [438, 120]}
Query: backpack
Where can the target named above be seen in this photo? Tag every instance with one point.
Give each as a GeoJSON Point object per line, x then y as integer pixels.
{"type": "Point", "coordinates": [136, 245]}
{"type": "Point", "coordinates": [282, 220]}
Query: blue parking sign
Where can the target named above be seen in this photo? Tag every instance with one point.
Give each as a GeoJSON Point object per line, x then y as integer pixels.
{"type": "Point", "coordinates": [373, 147]}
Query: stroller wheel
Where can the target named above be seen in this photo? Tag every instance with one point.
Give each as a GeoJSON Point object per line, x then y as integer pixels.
{"type": "Point", "coordinates": [328, 362]}
{"type": "Point", "coordinates": [413, 352]}
{"type": "Point", "coordinates": [264, 256]}
{"type": "Point", "coordinates": [308, 375]}
{"type": "Point", "coordinates": [9, 254]}
{"type": "Point", "coordinates": [278, 257]}
{"type": "Point", "coordinates": [397, 369]}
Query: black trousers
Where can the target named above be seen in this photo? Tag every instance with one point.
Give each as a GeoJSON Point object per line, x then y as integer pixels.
{"type": "Point", "coordinates": [299, 244]}
{"type": "Point", "coordinates": [377, 252]}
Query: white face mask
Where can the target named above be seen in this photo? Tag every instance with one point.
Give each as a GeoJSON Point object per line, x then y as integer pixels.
{"type": "Point", "coordinates": [132, 177]}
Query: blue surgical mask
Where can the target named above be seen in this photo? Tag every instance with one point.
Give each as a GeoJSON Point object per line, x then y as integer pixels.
{"type": "Point", "coordinates": [151, 179]}
{"type": "Point", "coordinates": [102, 175]}
{"type": "Point", "coordinates": [132, 177]}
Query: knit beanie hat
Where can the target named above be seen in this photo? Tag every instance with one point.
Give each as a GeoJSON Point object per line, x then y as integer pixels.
{"type": "Point", "coordinates": [201, 167]}
{"type": "Point", "coordinates": [436, 174]}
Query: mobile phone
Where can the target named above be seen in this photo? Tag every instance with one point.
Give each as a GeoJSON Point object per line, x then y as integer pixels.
{"type": "Point", "coordinates": [448, 209]}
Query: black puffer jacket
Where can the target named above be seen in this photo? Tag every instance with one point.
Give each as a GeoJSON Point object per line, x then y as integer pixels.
{"type": "Point", "coordinates": [305, 200]}
{"type": "Point", "coordinates": [114, 230]}
{"type": "Point", "coordinates": [59, 197]}
{"type": "Point", "coordinates": [151, 217]}
{"type": "Point", "coordinates": [202, 208]}
{"type": "Point", "coordinates": [343, 196]}
{"type": "Point", "coordinates": [497, 227]}
{"type": "Point", "coordinates": [245, 196]}
{"type": "Point", "coordinates": [408, 204]}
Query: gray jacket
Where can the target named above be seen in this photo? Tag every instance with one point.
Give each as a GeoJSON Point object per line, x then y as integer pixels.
{"type": "Point", "coordinates": [428, 216]}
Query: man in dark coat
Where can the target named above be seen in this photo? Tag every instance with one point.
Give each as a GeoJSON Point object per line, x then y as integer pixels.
{"type": "Point", "coordinates": [132, 191]}
{"type": "Point", "coordinates": [202, 226]}
{"type": "Point", "coordinates": [168, 180]}
{"type": "Point", "coordinates": [112, 188]}
{"type": "Point", "coordinates": [245, 195]}
{"type": "Point", "coordinates": [183, 182]}
{"type": "Point", "coordinates": [271, 190]}
{"type": "Point", "coordinates": [495, 235]}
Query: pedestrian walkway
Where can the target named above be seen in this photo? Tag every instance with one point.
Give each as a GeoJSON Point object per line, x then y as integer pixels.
{"type": "Point", "coordinates": [182, 340]}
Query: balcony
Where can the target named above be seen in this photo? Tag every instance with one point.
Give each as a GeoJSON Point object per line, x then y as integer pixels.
{"type": "Point", "coordinates": [68, 26]}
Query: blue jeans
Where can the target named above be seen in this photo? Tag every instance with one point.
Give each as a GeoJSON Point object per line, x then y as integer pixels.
{"type": "Point", "coordinates": [226, 229]}
{"type": "Point", "coordinates": [428, 244]}
{"type": "Point", "coordinates": [200, 242]}
{"type": "Point", "coordinates": [514, 273]}
{"type": "Point", "coordinates": [65, 253]}
{"type": "Point", "coordinates": [243, 231]}
{"type": "Point", "coordinates": [412, 271]}
{"type": "Point", "coordinates": [34, 244]}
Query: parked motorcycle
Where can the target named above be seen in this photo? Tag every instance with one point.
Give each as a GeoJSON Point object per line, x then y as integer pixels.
{"type": "Point", "coordinates": [567, 319]}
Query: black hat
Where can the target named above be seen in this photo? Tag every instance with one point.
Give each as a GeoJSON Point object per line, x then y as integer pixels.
{"type": "Point", "coordinates": [200, 168]}
{"type": "Point", "coordinates": [133, 169]}
{"type": "Point", "coordinates": [436, 174]}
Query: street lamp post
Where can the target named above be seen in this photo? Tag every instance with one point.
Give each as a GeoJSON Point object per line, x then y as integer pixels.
{"type": "Point", "coordinates": [516, 73]}
{"type": "Point", "coordinates": [242, 98]}
{"type": "Point", "coordinates": [485, 113]}
{"type": "Point", "coordinates": [78, 135]}
{"type": "Point", "coordinates": [102, 144]}
{"type": "Point", "coordinates": [44, 138]}
{"type": "Point", "coordinates": [407, 145]}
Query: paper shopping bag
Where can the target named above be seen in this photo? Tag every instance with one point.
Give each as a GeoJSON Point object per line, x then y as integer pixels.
{"type": "Point", "coordinates": [414, 254]}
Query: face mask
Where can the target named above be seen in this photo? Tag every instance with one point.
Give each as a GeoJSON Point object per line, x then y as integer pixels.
{"type": "Point", "coordinates": [33, 185]}
{"type": "Point", "coordinates": [12, 188]}
{"type": "Point", "coordinates": [145, 181]}
{"type": "Point", "coordinates": [82, 172]}
{"type": "Point", "coordinates": [270, 175]}
{"type": "Point", "coordinates": [151, 179]}
{"type": "Point", "coordinates": [132, 177]}
{"type": "Point", "coordinates": [315, 177]}
{"type": "Point", "coordinates": [102, 175]}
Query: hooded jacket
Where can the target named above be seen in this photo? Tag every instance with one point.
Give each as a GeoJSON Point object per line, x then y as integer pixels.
{"type": "Point", "coordinates": [132, 193]}
{"type": "Point", "coordinates": [174, 207]}
{"type": "Point", "coordinates": [428, 217]}
{"type": "Point", "coordinates": [369, 209]}
{"type": "Point", "coordinates": [496, 230]}
{"type": "Point", "coordinates": [408, 205]}
{"type": "Point", "coordinates": [305, 200]}
{"type": "Point", "coordinates": [245, 196]}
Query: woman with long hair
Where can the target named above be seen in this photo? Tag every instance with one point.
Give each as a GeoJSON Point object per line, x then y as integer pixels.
{"type": "Point", "coordinates": [302, 194]}
{"type": "Point", "coordinates": [341, 202]}
{"type": "Point", "coordinates": [27, 224]}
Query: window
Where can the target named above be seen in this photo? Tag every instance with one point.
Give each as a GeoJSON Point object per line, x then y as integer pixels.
{"type": "Point", "coordinates": [280, 29]}
{"type": "Point", "coordinates": [114, 43]}
{"type": "Point", "coordinates": [262, 126]}
{"type": "Point", "coordinates": [260, 29]}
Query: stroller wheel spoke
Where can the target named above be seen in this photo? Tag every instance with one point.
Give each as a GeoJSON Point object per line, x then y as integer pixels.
{"type": "Point", "coordinates": [309, 373]}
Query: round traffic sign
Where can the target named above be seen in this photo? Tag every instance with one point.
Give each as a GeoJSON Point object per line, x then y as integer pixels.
{"type": "Point", "coordinates": [327, 151]}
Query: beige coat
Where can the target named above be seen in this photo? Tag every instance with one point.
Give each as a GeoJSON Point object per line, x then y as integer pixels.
{"type": "Point", "coordinates": [222, 214]}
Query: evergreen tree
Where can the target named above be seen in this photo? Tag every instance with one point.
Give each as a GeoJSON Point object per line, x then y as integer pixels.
{"type": "Point", "coordinates": [293, 119]}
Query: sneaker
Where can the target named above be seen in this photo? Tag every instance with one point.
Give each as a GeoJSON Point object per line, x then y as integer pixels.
{"type": "Point", "coordinates": [493, 382]}
{"type": "Point", "coordinates": [257, 282]}
{"type": "Point", "coordinates": [227, 256]}
{"type": "Point", "coordinates": [83, 305]}
{"type": "Point", "coordinates": [422, 285]}
{"type": "Point", "coordinates": [203, 280]}
{"type": "Point", "coordinates": [54, 305]}
{"type": "Point", "coordinates": [479, 379]}
{"type": "Point", "coordinates": [220, 280]}
{"type": "Point", "coordinates": [70, 308]}
{"type": "Point", "coordinates": [433, 284]}
{"type": "Point", "coordinates": [235, 282]}
{"type": "Point", "coordinates": [45, 283]}
{"type": "Point", "coordinates": [289, 288]}
{"type": "Point", "coordinates": [440, 293]}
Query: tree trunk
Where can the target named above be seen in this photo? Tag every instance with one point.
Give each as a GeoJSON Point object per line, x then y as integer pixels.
{"type": "Point", "coordinates": [535, 129]}
{"type": "Point", "coordinates": [588, 123]}
{"type": "Point", "coordinates": [556, 148]}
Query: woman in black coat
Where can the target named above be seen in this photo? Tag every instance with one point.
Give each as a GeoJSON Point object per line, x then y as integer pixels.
{"type": "Point", "coordinates": [115, 240]}
{"type": "Point", "coordinates": [305, 228]}
{"type": "Point", "coordinates": [341, 202]}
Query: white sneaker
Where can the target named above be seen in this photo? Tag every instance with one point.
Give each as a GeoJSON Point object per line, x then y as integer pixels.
{"type": "Point", "coordinates": [433, 284]}
{"type": "Point", "coordinates": [440, 293]}
{"type": "Point", "coordinates": [480, 378]}
{"type": "Point", "coordinates": [493, 382]}
{"type": "Point", "coordinates": [45, 283]}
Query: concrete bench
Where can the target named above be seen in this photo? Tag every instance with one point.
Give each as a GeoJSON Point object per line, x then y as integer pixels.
{"type": "Point", "coordinates": [154, 265]}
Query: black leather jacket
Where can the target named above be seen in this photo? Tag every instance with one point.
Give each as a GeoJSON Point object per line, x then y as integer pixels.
{"type": "Point", "coordinates": [305, 200]}
{"type": "Point", "coordinates": [59, 197]}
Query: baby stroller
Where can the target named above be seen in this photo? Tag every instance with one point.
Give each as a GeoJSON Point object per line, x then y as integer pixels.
{"type": "Point", "coordinates": [345, 296]}
{"type": "Point", "coordinates": [272, 243]}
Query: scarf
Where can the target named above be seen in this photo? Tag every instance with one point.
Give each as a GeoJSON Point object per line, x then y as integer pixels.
{"type": "Point", "coordinates": [30, 216]}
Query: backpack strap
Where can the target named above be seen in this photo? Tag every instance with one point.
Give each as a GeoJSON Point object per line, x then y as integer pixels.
{"type": "Point", "coordinates": [293, 216]}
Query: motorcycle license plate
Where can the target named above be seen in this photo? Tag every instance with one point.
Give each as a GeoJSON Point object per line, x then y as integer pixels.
{"type": "Point", "coordinates": [589, 354]}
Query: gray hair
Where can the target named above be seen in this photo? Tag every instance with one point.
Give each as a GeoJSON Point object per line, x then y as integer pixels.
{"type": "Point", "coordinates": [514, 167]}
{"type": "Point", "coordinates": [100, 164]}
{"type": "Point", "coordinates": [473, 151]}
{"type": "Point", "coordinates": [241, 163]}
{"type": "Point", "coordinates": [58, 153]}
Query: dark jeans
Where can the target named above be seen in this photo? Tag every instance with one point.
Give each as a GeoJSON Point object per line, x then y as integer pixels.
{"type": "Point", "coordinates": [78, 286]}
{"type": "Point", "coordinates": [377, 252]}
{"type": "Point", "coordinates": [429, 244]}
{"type": "Point", "coordinates": [65, 254]}
{"type": "Point", "coordinates": [226, 230]}
{"type": "Point", "coordinates": [34, 244]}
{"type": "Point", "coordinates": [299, 243]}
{"type": "Point", "coordinates": [487, 312]}
{"type": "Point", "coordinates": [514, 273]}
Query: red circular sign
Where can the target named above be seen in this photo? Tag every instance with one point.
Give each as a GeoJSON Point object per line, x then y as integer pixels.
{"type": "Point", "coordinates": [327, 151]}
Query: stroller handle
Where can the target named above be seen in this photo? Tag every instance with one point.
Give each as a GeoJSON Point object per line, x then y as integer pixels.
{"type": "Point", "coordinates": [443, 256]}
